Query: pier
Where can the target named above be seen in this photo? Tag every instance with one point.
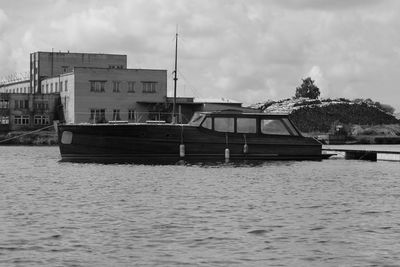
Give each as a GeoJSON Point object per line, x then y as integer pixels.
{"type": "Point", "coordinates": [366, 152]}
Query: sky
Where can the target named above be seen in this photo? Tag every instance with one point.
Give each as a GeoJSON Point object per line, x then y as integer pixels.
{"type": "Point", "coordinates": [246, 50]}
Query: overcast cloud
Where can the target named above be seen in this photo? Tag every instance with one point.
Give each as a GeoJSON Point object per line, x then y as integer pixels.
{"type": "Point", "coordinates": [247, 50]}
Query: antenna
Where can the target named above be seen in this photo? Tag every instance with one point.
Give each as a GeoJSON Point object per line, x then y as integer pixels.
{"type": "Point", "coordinates": [175, 76]}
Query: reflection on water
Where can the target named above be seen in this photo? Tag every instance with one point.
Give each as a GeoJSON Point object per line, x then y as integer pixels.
{"type": "Point", "coordinates": [327, 213]}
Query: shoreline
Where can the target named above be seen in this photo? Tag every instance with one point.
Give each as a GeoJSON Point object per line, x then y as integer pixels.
{"type": "Point", "coordinates": [25, 138]}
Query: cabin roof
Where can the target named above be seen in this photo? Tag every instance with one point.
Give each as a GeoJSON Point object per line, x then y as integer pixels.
{"type": "Point", "coordinates": [242, 114]}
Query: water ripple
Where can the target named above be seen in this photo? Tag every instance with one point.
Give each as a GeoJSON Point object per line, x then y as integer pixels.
{"type": "Point", "coordinates": [328, 213]}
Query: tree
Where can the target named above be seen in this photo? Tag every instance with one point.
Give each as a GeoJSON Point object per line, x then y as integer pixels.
{"type": "Point", "coordinates": [388, 108]}
{"type": "Point", "coordinates": [307, 89]}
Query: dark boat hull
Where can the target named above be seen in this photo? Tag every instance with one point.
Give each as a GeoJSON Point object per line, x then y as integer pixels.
{"type": "Point", "coordinates": [148, 143]}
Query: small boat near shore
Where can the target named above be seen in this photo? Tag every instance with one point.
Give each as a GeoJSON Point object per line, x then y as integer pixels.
{"type": "Point", "coordinates": [209, 136]}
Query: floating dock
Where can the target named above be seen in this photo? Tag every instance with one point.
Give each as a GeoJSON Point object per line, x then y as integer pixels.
{"type": "Point", "coordinates": [366, 152]}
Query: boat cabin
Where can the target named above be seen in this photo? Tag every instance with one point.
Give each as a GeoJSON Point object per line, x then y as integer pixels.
{"type": "Point", "coordinates": [245, 123]}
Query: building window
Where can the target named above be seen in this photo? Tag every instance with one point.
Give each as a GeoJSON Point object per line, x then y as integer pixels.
{"type": "Point", "coordinates": [41, 120]}
{"type": "Point", "coordinates": [21, 120]}
{"type": "Point", "coordinates": [131, 87]}
{"type": "Point", "coordinates": [131, 115]}
{"type": "Point", "coordinates": [42, 88]}
{"type": "Point", "coordinates": [4, 103]}
{"type": "Point", "coordinates": [97, 115]}
{"type": "Point", "coordinates": [149, 87]}
{"type": "Point", "coordinates": [116, 116]}
{"type": "Point", "coordinates": [97, 86]}
{"type": "Point", "coordinates": [47, 88]}
{"type": "Point", "coordinates": [65, 68]}
{"type": "Point", "coordinates": [22, 104]}
{"type": "Point", "coordinates": [66, 86]}
{"type": "Point", "coordinates": [60, 86]}
{"type": "Point", "coordinates": [42, 105]}
{"type": "Point", "coordinates": [116, 85]}
{"type": "Point", "coordinates": [51, 88]}
{"type": "Point", "coordinates": [115, 66]}
{"type": "Point", "coordinates": [4, 120]}
{"type": "Point", "coordinates": [56, 84]}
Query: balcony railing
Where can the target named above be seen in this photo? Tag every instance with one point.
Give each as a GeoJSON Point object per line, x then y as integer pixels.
{"type": "Point", "coordinates": [135, 117]}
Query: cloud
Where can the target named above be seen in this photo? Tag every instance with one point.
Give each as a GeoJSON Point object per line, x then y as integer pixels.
{"type": "Point", "coordinates": [244, 50]}
{"type": "Point", "coordinates": [326, 5]}
{"type": "Point", "coordinates": [320, 81]}
{"type": "Point", "coordinates": [3, 20]}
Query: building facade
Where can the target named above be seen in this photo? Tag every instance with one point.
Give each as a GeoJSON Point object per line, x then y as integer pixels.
{"type": "Point", "coordinates": [17, 87]}
{"type": "Point", "coordinates": [98, 94]}
{"type": "Point", "coordinates": [91, 88]}
{"type": "Point", "coordinates": [27, 111]}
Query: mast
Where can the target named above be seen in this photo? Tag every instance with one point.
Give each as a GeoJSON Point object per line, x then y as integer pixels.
{"type": "Point", "coordinates": [174, 120]}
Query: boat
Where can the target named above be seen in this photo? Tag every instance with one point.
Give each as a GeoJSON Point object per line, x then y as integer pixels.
{"type": "Point", "coordinates": [209, 136]}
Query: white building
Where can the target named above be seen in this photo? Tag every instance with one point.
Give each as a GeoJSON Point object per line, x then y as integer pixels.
{"type": "Point", "coordinates": [105, 94]}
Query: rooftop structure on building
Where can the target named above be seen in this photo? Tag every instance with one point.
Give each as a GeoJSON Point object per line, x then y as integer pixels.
{"type": "Point", "coordinates": [50, 64]}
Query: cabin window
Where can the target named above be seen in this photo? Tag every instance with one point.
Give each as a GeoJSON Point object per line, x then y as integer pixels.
{"type": "Point", "coordinates": [246, 125]}
{"type": "Point", "coordinates": [66, 138]}
{"type": "Point", "coordinates": [207, 123]}
{"type": "Point", "coordinates": [290, 126]}
{"type": "Point", "coordinates": [273, 127]}
{"type": "Point", "coordinates": [196, 119]}
{"type": "Point", "coordinates": [225, 125]}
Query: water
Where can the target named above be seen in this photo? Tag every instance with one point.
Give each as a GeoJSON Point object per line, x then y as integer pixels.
{"type": "Point", "coordinates": [329, 213]}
